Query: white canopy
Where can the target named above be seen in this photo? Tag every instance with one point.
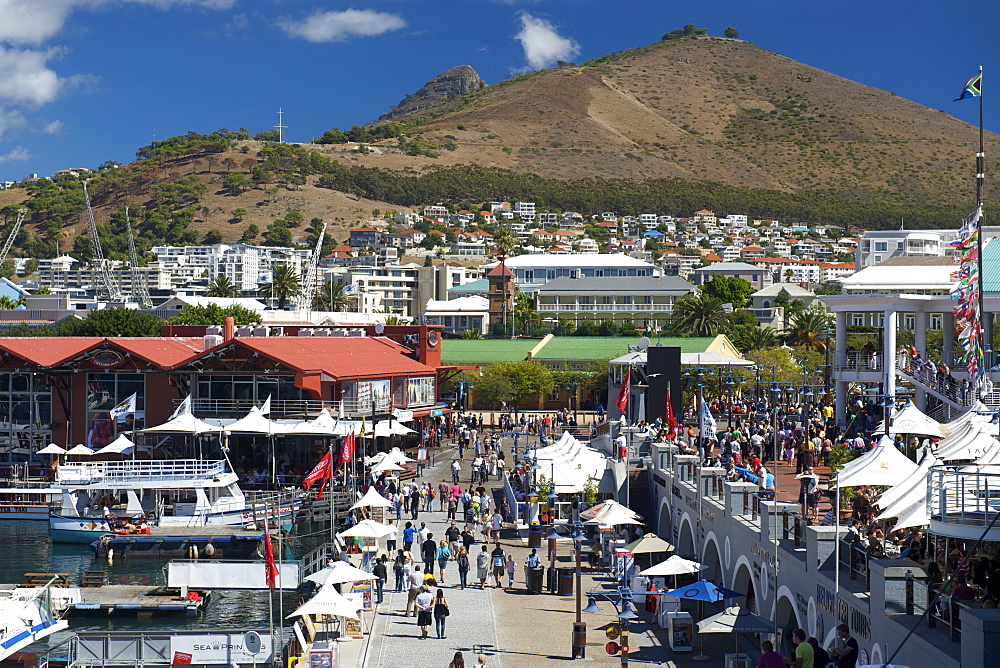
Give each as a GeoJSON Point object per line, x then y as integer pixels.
{"type": "Point", "coordinates": [327, 602]}
{"type": "Point", "coordinates": [918, 478]}
{"type": "Point", "coordinates": [392, 428]}
{"type": "Point", "coordinates": [120, 445]}
{"type": "Point", "coordinates": [186, 423]}
{"type": "Point", "coordinates": [968, 442]}
{"type": "Point", "coordinates": [339, 573]}
{"type": "Point", "coordinates": [384, 467]}
{"type": "Point", "coordinates": [255, 422]}
{"type": "Point", "coordinates": [614, 516]}
{"type": "Point", "coordinates": [366, 529]}
{"type": "Point", "coordinates": [570, 464]}
{"type": "Point", "coordinates": [978, 412]}
{"type": "Point", "coordinates": [675, 565]}
{"type": "Point", "coordinates": [590, 513]}
{"type": "Point", "coordinates": [324, 424]}
{"type": "Point", "coordinates": [914, 516]}
{"type": "Point", "coordinates": [371, 499]}
{"type": "Point", "coordinates": [884, 465]}
{"type": "Point", "coordinates": [910, 420]}
{"type": "Point", "coordinates": [51, 449]}
{"type": "Point", "coordinates": [79, 449]}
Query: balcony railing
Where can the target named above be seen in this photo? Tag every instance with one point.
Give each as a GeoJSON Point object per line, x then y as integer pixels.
{"type": "Point", "coordinates": [937, 379]}
{"type": "Point", "coordinates": [858, 361]}
{"type": "Point", "coordinates": [292, 407]}
{"type": "Point", "coordinates": [612, 308]}
{"type": "Point", "coordinates": [962, 502]}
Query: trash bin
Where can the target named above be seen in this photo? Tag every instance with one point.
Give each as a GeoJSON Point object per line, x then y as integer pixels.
{"type": "Point", "coordinates": [737, 660]}
{"type": "Point", "coordinates": [535, 578]}
{"type": "Point", "coordinates": [535, 535]}
{"type": "Point", "coordinates": [566, 576]}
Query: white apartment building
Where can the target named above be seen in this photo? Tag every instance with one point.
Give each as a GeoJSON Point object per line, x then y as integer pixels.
{"type": "Point", "coordinates": [648, 220]}
{"type": "Point", "coordinates": [735, 220]}
{"type": "Point", "coordinates": [877, 246]}
{"type": "Point", "coordinates": [436, 211]}
{"type": "Point", "coordinates": [526, 210]}
{"type": "Point", "coordinates": [536, 269]}
{"type": "Point", "coordinates": [247, 267]}
{"type": "Point", "coordinates": [60, 276]}
{"type": "Point", "coordinates": [402, 289]}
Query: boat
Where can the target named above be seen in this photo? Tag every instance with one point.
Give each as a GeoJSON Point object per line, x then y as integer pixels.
{"type": "Point", "coordinates": [125, 497]}
{"type": "Point", "coordinates": [25, 617]}
{"type": "Point", "coordinates": [28, 503]}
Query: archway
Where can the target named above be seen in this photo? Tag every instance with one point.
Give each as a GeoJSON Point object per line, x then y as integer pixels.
{"type": "Point", "coordinates": [743, 583]}
{"type": "Point", "coordinates": [711, 558]}
{"type": "Point", "coordinates": [685, 546]}
{"type": "Point", "coordinates": [664, 526]}
{"type": "Point", "coordinates": [786, 618]}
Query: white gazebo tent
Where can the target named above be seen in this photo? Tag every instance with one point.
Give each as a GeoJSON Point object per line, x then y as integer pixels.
{"type": "Point", "coordinates": [185, 423]}
{"type": "Point", "coordinates": [910, 420]}
{"type": "Point", "coordinates": [121, 445]}
{"type": "Point", "coordinates": [371, 499]}
{"type": "Point", "coordinates": [590, 513]}
{"type": "Point", "coordinates": [884, 465]}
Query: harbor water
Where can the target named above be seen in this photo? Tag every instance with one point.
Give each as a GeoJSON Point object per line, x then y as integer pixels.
{"type": "Point", "coordinates": [29, 549]}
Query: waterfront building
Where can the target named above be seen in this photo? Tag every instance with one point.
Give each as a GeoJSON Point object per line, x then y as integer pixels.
{"type": "Point", "coordinates": [640, 302]}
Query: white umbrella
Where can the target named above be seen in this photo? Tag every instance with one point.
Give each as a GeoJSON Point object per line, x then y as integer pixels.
{"type": "Point", "coordinates": [366, 529]}
{"type": "Point", "coordinates": [79, 449]}
{"type": "Point", "coordinates": [339, 573]}
{"type": "Point", "coordinates": [255, 422]}
{"type": "Point", "coordinates": [186, 423]}
{"type": "Point", "coordinates": [385, 467]}
{"type": "Point", "coordinates": [120, 445]}
{"type": "Point", "coordinates": [51, 449]}
{"type": "Point", "coordinates": [590, 513]}
{"type": "Point", "coordinates": [675, 565]}
{"type": "Point", "coordinates": [372, 499]}
{"type": "Point", "coordinates": [327, 602]}
{"type": "Point", "coordinates": [392, 428]}
{"type": "Point", "coordinates": [614, 516]}
{"type": "Point", "coordinates": [324, 424]}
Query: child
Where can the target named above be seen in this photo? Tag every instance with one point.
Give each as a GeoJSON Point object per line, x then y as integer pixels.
{"type": "Point", "coordinates": [511, 565]}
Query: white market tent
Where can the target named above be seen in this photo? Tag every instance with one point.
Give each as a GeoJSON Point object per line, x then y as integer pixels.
{"type": "Point", "coordinates": [910, 420]}
{"type": "Point", "coordinates": [256, 422]}
{"type": "Point", "coordinates": [372, 499]}
{"type": "Point", "coordinates": [185, 423]}
{"type": "Point", "coordinates": [324, 424]}
{"type": "Point", "coordinates": [327, 602]}
{"type": "Point", "coordinates": [570, 464]}
{"type": "Point", "coordinates": [366, 529]}
{"type": "Point", "coordinates": [978, 412]}
{"type": "Point", "coordinates": [902, 494]}
{"type": "Point", "coordinates": [340, 572]}
{"type": "Point", "coordinates": [590, 513]}
{"type": "Point", "coordinates": [884, 465]}
{"type": "Point", "coordinates": [121, 445]}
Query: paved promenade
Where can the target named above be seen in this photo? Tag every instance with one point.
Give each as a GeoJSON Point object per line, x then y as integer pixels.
{"type": "Point", "coordinates": [513, 628]}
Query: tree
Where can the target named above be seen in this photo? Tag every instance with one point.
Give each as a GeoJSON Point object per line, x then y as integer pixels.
{"type": "Point", "coordinates": [277, 234]}
{"type": "Point", "coordinates": [113, 322]}
{"type": "Point", "coordinates": [731, 33]}
{"type": "Point", "coordinates": [284, 285]}
{"type": "Point", "coordinates": [700, 315]}
{"type": "Point", "coordinates": [237, 183]}
{"type": "Point", "coordinates": [250, 233]}
{"type": "Point", "coordinates": [332, 298]}
{"type": "Point", "coordinates": [212, 237]}
{"type": "Point", "coordinates": [7, 303]}
{"type": "Point", "coordinates": [807, 329]}
{"type": "Point", "coordinates": [729, 290]}
{"type": "Point", "coordinates": [507, 382]}
{"type": "Point", "coordinates": [222, 287]}
{"type": "Point", "coordinates": [43, 290]}
{"type": "Point", "coordinates": [755, 338]}
{"type": "Point", "coordinates": [504, 241]}
{"type": "Point", "coordinates": [239, 214]}
{"type": "Point", "coordinates": [213, 314]}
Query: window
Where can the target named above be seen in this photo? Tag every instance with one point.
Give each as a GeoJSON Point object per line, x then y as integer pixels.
{"type": "Point", "coordinates": [554, 395]}
{"type": "Point", "coordinates": [552, 365]}
{"type": "Point", "coordinates": [421, 391]}
{"type": "Point", "coordinates": [607, 299]}
{"type": "Point", "coordinates": [881, 246]}
{"type": "Point", "coordinates": [579, 366]}
{"type": "Point", "coordinates": [936, 321]}
{"type": "Point", "coordinates": [529, 275]}
{"type": "Point", "coordinates": [857, 319]}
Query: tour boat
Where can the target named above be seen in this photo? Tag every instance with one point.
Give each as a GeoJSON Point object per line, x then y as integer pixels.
{"type": "Point", "coordinates": [28, 503]}
{"type": "Point", "coordinates": [109, 497]}
{"type": "Point", "coordinates": [25, 617]}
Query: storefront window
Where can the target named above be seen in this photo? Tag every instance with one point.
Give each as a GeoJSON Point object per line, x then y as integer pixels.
{"type": "Point", "coordinates": [104, 392]}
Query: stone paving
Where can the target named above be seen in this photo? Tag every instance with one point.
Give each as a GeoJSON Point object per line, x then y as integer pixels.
{"type": "Point", "coordinates": [513, 628]}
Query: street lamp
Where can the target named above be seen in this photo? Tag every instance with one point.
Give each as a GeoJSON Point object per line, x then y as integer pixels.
{"type": "Point", "coordinates": [571, 388]}
{"type": "Point", "coordinates": [625, 609]}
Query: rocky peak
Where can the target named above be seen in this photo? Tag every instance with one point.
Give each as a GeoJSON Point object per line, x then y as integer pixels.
{"type": "Point", "coordinates": [455, 82]}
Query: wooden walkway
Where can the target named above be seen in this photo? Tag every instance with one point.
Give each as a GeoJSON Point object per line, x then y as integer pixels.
{"type": "Point", "coordinates": [140, 600]}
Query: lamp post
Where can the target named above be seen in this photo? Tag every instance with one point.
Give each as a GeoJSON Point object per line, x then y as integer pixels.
{"type": "Point", "coordinates": [622, 600]}
{"type": "Point", "coordinates": [571, 388]}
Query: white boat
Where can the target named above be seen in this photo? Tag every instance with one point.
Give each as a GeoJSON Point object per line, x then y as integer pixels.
{"type": "Point", "coordinates": [28, 503]}
{"type": "Point", "coordinates": [101, 497]}
{"type": "Point", "coordinates": [25, 617]}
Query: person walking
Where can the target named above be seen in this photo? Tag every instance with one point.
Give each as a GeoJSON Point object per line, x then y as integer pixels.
{"type": "Point", "coordinates": [453, 535]}
{"type": "Point", "coordinates": [409, 533]}
{"type": "Point", "coordinates": [425, 606]}
{"type": "Point", "coordinates": [428, 552]}
{"type": "Point", "coordinates": [497, 524]}
{"type": "Point", "coordinates": [458, 661]}
{"type": "Point", "coordinates": [443, 556]}
{"type": "Point", "coordinates": [416, 582]}
{"type": "Point", "coordinates": [482, 567]}
{"type": "Point", "coordinates": [399, 568]}
{"type": "Point", "coordinates": [381, 574]}
{"type": "Point", "coordinates": [463, 567]}
{"type": "Point", "coordinates": [499, 560]}
{"type": "Point", "coordinates": [510, 565]}
{"type": "Point", "coordinates": [441, 613]}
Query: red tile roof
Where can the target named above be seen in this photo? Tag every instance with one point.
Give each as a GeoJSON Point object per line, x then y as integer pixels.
{"type": "Point", "coordinates": [500, 270]}
{"type": "Point", "coordinates": [51, 351]}
{"type": "Point", "coordinates": [48, 351]}
{"type": "Point", "coordinates": [339, 357]}
{"type": "Point", "coordinates": [162, 351]}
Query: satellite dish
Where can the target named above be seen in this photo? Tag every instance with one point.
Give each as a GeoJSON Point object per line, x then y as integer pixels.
{"type": "Point", "coordinates": [643, 343]}
{"type": "Point", "coordinates": [252, 644]}
{"type": "Point", "coordinates": [379, 328]}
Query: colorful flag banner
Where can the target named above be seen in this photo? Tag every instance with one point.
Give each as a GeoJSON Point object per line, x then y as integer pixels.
{"type": "Point", "coordinates": [126, 407]}
{"type": "Point", "coordinates": [323, 471]}
{"type": "Point", "coordinates": [270, 567]}
{"type": "Point", "coordinates": [973, 88]}
{"type": "Point", "coordinates": [622, 400]}
{"type": "Point", "coordinates": [183, 409]}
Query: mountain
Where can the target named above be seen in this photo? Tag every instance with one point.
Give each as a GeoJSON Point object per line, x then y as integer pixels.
{"type": "Point", "coordinates": [456, 82]}
{"type": "Point", "coordinates": [714, 109]}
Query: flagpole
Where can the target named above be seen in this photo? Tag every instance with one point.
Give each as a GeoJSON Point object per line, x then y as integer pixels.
{"type": "Point", "coordinates": [979, 389]}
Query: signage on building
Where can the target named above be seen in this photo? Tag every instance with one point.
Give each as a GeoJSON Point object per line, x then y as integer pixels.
{"type": "Point", "coordinates": [219, 648]}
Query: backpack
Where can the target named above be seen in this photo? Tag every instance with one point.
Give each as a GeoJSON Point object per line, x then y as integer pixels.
{"type": "Point", "coordinates": [463, 562]}
{"type": "Point", "coordinates": [431, 493]}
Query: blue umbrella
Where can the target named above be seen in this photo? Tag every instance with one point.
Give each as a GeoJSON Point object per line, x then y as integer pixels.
{"type": "Point", "coordinates": [703, 590]}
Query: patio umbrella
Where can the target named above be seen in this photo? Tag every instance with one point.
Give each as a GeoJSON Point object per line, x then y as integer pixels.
{"type": "Point", "coordinates": [51, 449]}
{"type": "Point", "coordinates": [385, 467]}
{"type": "Point", "coordinates": [80, 449]}
{"type": "Point", "coordinates": [120, 445]}
{"type": "Point", "coordinates": [702, 591]}
{"type": "Point", "coordinates": [327, 602]}
{"type": "Point", "coordinates": [590, 513]}
{"type": "Point", "coordinates": [614, 516]}
{"type": "Point", "coordinates": [185, 423]}
{"type": "Point", "coordinates": [366, 529]}
{"type": "Point", "coordinates": [339, 573]}
{"type": "Point", "coordinates": [648, 544]}
{"type": "Point", "coordinates": [372, 499]}
{"type": "Point", "coordinates": [735, 620]}
{"type": "Point", "coordinates": [675, 565]}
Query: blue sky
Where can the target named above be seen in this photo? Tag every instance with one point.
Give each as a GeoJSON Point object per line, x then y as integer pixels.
{"type": "Point", "coordinates": [84, 81]}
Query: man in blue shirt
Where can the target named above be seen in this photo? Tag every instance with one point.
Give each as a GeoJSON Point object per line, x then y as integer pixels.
{"type": "Point", "coordinates": [409, 533]}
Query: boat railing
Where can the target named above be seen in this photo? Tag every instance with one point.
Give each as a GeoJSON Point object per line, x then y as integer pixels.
{"type": "Point", "coordinates": [87, 473]}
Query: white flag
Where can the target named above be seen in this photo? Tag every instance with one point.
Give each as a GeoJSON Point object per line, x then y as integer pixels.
{"type": "Point", "coordinates": [266, 408]}
{"type": "Point", "coordinates": [707, 422]}
{"type": "Point", "coordinates": [340, 410]}
{"type": "Point", "coordinates": [352, 289]}
{"type": "Point", "coordinates": [183, 409]}
{"type": "Point", "coordinates": [119, 412]}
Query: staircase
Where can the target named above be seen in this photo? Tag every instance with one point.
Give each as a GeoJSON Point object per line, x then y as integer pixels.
{"type": "Point", "coordinates": [640, 497]}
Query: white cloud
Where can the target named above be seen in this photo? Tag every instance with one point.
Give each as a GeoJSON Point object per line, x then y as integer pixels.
{"type": "Point", "coordinates": [542, 44]}
{"type": "Point", "coordinates": [337, 26]}
{"type": "Point", "coordinates": [52, 128]}
{"type": "Point", "coordinates": [25, 77]}
{"type": "Point", "coordinates": [19, 154]}
{"type": "Point", "coordinates": [10, 120]}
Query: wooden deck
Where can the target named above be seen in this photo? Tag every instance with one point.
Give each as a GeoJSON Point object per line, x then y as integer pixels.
{"type": "Point", "coordinates": [142, 600]}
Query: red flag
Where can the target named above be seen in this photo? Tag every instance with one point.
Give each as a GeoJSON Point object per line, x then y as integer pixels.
{"type": "Point", "coordinates": [270, 568]}
{"type": "Point", "coordinates": [322, 471]}
{"type": "Point", "coordinates": [671, 418]}
{"type": "Point", "coordinates": [347, 449]}
{"type": "Point", "coordinates": [622, 400]}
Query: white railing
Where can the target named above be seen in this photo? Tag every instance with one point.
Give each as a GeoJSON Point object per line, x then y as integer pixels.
{"type": "Point", "coordinates": [963, 498]}
{"type": "Point", "coordinates": [88, 473]}
{"type": "Point", "coordinates": [287, 406]}
{"type": "Point", "coordinates": [613, 308]}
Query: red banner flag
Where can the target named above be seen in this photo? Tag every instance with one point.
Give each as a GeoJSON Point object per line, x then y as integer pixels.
{"type": "Point", "coordinates": [270, 568]}
{"type": "Point", "coordinates": [671, 418]}
{"type": "Point", "coordinates": [322, 471]}
{"type": "Point", "coordinates": [347, 449]}
{"type": "Point", "coordinates": [622, 400]}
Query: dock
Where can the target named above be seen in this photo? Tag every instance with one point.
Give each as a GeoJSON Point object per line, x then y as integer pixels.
{"type": "Point", "coordinates": [137, 600]}
{"type": "Point", "coordinates": [227, 542]}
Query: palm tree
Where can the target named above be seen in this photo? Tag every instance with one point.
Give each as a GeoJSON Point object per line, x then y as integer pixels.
{"type": "Point", "coordinates": [755, 338]}
{"type": "Point", "coordinates": [504, 241]}
{"type": "Point", "coordinates": [222, 287]}
{"type": "Point", "coordinates": [284, 285]}
{"type": "Point", "coordinates": [808, 329]}
{"type": "Point", "coordinates": [700, 315]}
{"type": "Point", "coordinates": [332, 298]}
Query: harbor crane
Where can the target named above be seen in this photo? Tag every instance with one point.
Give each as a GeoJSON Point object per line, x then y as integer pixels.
{"type": "Point", "coordinates": [21, 213]}
{"type": "Point", "coordinates": [140, 291]}
{"type": "Point", "coordinates": [305, 297]}
{"type": "Point", "coordinates": [105, 277]}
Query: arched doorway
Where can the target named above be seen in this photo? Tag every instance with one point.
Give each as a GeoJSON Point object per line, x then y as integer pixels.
{"type": "Point", "coordinates": [664, 526]}
{"type": "Point", "coordinates": [685, 546]}
{"type": "Point", "coordinates": [743, 583]}
{"type": "Point", "coordinates": [711, 559]}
